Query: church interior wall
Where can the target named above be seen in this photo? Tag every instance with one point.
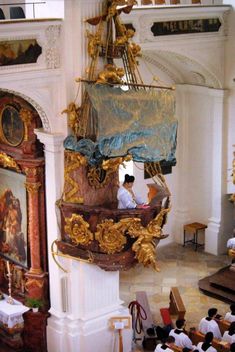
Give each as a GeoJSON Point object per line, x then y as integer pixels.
{"type": "Point", "coordinates": [199, 149]}
{"type": "Point", "coordinates": [230, 103]}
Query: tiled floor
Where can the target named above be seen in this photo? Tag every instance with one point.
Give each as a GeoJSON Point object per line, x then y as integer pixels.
{"type": "Point", "coordinates": [182, 267]}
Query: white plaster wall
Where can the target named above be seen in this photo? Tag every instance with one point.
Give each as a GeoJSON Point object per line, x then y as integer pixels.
{"type": "Point", "coordinates": [199, 149]}
{"type": "Point", "coordinates": [46, 91]}
{"type": "Point", "coordinates": [51, 9]}
{"type": "Point", "coordinates": [230, 103]}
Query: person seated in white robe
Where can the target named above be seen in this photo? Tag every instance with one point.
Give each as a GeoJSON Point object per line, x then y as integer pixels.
{"type": "Point", "coordinates": [206, 346]}
{"type": "Point", "coordinates": [230, 316]}
{"type": "Point", "coordinates": [208, 324]}
{"type": "Point", "coordinates": [181, 338]}
{"type": "Point", "coordinates": [167, 346]}
{"type": "Point", "coordinates": [231, 243]}
{"type": "Point", "coordinates": [127, 199]}
{"type": "Point", "coordinates": [231, 248]}
{"type": "Point", "coordinates": [229, 336]}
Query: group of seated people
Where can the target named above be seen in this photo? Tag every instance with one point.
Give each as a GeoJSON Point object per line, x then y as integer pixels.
{"type": "Point", "coordinates": [209, 327]}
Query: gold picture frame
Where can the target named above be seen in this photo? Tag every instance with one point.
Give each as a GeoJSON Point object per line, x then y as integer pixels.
{"type": "Point", "coordinates": [12, 127]}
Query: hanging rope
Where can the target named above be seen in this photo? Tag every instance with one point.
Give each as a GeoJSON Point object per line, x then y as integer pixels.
{"type": "Point", "coordinates": [138, 314]}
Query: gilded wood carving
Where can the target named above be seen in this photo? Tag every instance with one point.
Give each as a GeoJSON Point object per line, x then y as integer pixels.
{"type": "Point", "coordinates": [112, 236]}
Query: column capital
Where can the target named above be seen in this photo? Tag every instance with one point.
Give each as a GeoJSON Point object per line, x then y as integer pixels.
{"type": "Point", "coordinates": [53, 142]}
{"type": "Point", "coordinates": [33, 187]}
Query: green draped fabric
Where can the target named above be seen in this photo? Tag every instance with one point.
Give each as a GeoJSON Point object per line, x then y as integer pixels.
{"type": "Point", "coordinates": [138, 122]}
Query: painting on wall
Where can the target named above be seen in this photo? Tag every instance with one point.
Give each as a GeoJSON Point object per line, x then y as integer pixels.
{"type": "Point", "coordinates": [11, 126]}
{"type": "Point", "coordinates": [16, 52]}
{"type": "Point", "coordinates": [13, 217]}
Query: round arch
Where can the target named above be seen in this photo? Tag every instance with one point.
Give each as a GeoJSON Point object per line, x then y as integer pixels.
{"type": "Point", "coordinates": [37, 107]}
{"type": "Point", "coordinates": [182, 69]}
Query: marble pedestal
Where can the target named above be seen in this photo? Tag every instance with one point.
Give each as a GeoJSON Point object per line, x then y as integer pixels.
{"type": "Point", "coordinates": [90, 297]}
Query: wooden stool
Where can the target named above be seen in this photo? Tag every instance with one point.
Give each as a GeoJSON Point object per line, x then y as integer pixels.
{"type": "Point", "coordinates": [193, 229]}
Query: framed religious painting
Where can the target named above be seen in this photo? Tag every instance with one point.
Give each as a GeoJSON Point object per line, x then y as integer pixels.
{"type": "Point", "coordinates": [11, 126]}
{"type": "Point", "coordinates": [13, 217]}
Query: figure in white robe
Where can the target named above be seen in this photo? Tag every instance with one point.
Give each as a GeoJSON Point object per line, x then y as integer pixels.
{"type": "Point", "coordinates": [127, 199]}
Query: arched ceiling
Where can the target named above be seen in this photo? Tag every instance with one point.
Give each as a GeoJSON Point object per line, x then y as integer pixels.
{"type": "Point", "coordinates": [181, 69]}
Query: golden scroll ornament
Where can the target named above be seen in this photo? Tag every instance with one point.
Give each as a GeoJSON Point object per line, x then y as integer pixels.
{"type": "Point", "coordinates": [78, 230]}
{"type": "Point", "coordinates": [73, 161]}
{"type": "Point", "coordinates": [8, 161]}
{"type": "Point", "coordinates": [110, 236]}
{"type": "Point", "coordinates": [26, 117]}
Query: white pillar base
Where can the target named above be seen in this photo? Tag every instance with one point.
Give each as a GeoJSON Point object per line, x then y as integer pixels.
{"type": "Point", "coordinates": [212, 234]}
{"type": "Point", "coordinates": [86, 336]}
{"type": "Point", "coordinates": [90, 298]}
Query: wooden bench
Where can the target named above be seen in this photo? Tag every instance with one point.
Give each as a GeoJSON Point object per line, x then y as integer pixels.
{"type": "Point", "coordinates": [177, 349]}
{"type": "Point", "coordinates": [197, 336]}
{"type": "Point", "coordinates": [176, 305]}
{"type": "Point", "coordinates": [223, 325]}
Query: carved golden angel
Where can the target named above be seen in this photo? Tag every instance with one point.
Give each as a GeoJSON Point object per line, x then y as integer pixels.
{"type": "Point", "coordinates": [94, 41]}
{"type": "Point", "coordinates": [148, 237]}
{"type": "Point", "coordinates": [111, 74]}
{"type": "Point", "coordinates": [73, 112]}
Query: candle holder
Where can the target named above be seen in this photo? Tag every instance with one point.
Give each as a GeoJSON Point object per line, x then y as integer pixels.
{"type": "Point", "coordinates": [10, 300]}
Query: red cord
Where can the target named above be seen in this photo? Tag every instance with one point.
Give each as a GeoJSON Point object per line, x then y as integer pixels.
{"type": "Point", "coordinates": [138, 314]}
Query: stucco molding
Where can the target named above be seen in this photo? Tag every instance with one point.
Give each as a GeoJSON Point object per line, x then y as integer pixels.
{"type": "Point", "coordinates": [42, 114]}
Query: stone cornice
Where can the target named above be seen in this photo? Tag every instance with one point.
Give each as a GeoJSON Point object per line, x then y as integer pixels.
{"type": "Point", "coordinates": [143, 18]}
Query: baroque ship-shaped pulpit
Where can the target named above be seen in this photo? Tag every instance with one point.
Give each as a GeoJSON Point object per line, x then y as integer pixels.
{"type": "Point", "coordinates": [112, 126]}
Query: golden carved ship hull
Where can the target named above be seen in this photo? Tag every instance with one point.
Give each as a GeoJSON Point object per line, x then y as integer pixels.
{"type": "Point", "coordinates": [107, 237]}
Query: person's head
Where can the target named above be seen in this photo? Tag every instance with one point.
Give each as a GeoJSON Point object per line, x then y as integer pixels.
{"type": "Point", "coordinates": [128, 181]}
{"type": "Point", "coordinates": [232, 308]}
{"type": "Point", "coordinates": [232, 347]}
{"type": "Point", "coordinates": [170, 340]}
{"type": "Point", "coordinates": [212, 312]}
{"type": "Point", "coordinates": [180, 323]}
{"type": "Point", "coordinates": [209, 337]}
{"type": "Point", "coordinates": [231, 329]}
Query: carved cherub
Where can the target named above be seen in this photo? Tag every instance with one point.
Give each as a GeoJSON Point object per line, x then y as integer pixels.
{"type": "Point", "coordinates": [94, 41]}
{"type": "Point", "coordinates": [123, 39]}
{"type": "Point", "coordinates": [111, 74]}
{"type": "Point", "coordinates": [135, 49]}
{"type": "Point", "coordinates": [73, 112]}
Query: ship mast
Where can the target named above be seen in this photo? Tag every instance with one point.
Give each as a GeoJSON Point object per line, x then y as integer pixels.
{"type": "Point", "coordinates": [110, 42]}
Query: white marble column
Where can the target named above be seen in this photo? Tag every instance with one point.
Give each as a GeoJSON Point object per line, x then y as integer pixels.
{"type": "Point", "coordinates": [54, 156]}
{"type": "Point", "coordinates": [182, 155]}
{"type": "Point", "coordinates": [93, 298]}
{"type": "Point", "coordinates": [201, 185]}
{"type": "Point", "coordinates": [218, 175]}
{"type": "Point", "coordinates": [84, 299]}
